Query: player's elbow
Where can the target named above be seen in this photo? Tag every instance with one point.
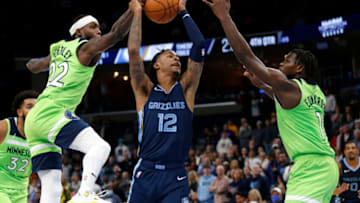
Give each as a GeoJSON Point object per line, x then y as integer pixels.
{"type": "Point", "coordinates": [30, 66]}
{"type": "Point", "coordinates": [133, 51]}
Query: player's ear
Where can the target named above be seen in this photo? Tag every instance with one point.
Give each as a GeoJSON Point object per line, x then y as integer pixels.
{"type": "Point", "coordinates": [300, 68]}
{"type": "Point", "coordinates": [156, 66]}
{"type": "Point", "coordinates": [19, 112]}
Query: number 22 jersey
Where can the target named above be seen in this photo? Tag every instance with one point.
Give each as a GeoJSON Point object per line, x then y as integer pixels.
{"type": "Point", "coordinates": [165, 126]}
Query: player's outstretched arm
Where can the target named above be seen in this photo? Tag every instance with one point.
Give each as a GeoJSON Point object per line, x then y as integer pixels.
{"type": "Point", "coordinates": [3, 130]}
{"type": "Point", "coordinates": [191, 78]}
{"type": "Point", "coordinates": [140, 82]}
{"type": "Point", "coordinates": [38, 65]}
{"type": "Point", "coordinates": [260, 84]}
{"type": "Point", "coordinates": [118, 32]}
{"type": "Point", "coordinates": [283, 88]}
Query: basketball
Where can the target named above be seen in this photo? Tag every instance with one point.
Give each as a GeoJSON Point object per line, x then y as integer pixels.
{"type": "Point", "coordinates": [161, 11]}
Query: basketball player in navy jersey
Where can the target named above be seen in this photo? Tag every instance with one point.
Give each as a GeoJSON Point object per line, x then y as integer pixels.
{"type": "Point", "coordinates": [165, 103]}
{"type": "Point", "coordinates": [349, 167]}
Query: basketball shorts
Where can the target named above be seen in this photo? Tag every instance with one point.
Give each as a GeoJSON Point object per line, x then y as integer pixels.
{"type": "Point", "coordinates": [159, 183]}
{"type": "Point", "coordinates": [313, 179]}
{"type": "Point", "coordinates": [48, 131]}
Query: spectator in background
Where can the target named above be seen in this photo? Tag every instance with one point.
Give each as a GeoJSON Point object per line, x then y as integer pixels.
{"type": "Point", "coordinates": [252, 159]}
{"type": "Point", "coordinates": [240, 197]}
{"type": "Point", "coordinates": [224, 144]}
{"type": "Point", "coordinates": [330, 102]}
{"type": "Point", "coordinates": [270, 133]}
{"type": "Point", "coordinates": [220, 185]}
{"type": "Point", "coordinates": [193, 180]}
{"type": "Point", "coordinates": [109, 166]}
{"type": "Point", "coordinates": [255, 196]}
{"type": "Point", "coordinates": [255, 107]}
{"type": "Point", "coordinates": [205, 160]}
{"type": "Point", "coordinates": [259, 182]}
{"type": "Point", "coordinates": [124, 183]}
{"type": "Point", "coordinates": [276, 195]}
{"type": "Point", "coordinates": [348, 116]}
{"type": "Point", "coordinates": [244, 134]}
{"type": "Point", "coordinates": [357, 137]}
{"type": "Point", "coordinates": [109, 194]}
{"type": "Point", "coordinates": [66, 166]}
{"type": "Point", "coordinates": [203, 193]}
{"type": "Point", "coordinates": [66, 193]}
{"type": "Point", "coordinates": [120, 150]}
{"type": "Point", "coordinates": [343, 136]}
{"type": "Point", "coordinates": [258, 133]}
{"type": "Point", "coordinates": [75, 182]}
{"type": "Point", "coordinates": [239, 183]}
{"type": "Point", "coordinates": [233, 127]}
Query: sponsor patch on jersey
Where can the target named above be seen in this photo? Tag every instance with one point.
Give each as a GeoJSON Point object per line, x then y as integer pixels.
{"type": "Point", "coordinates": [70, 115]}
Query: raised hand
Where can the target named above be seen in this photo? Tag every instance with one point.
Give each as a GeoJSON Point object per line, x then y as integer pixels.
{"type": "Point", "coordinates": [220, 8]}
{"type": "Point", "coordinates": [135, 5]}
{"type": "Point", "coordinates": [182, 5]}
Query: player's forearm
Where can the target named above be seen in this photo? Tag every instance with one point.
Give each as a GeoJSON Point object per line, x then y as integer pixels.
{"type": "Point", "coordinates": [121, 27]}
{"type": "Point", "coordinates": [134, 41]}
{"type": "Point", "coordinates": [38, 65]}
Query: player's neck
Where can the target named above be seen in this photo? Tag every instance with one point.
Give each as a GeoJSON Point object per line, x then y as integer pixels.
{"type": "Point", "coordinates": [20, 126]}
{"type": "Point", "coordinates": [166, 82]}
{"type": "Point", "coordinates": [353, 163]}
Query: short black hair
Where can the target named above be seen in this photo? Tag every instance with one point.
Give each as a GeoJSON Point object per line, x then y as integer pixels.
{"type": "Point", "coordinates": [310, 63]}
{"type": "Point", "coordinates": [350, 142]}
{"type": "Point", "coordinates": [21, 96]}
{"type": "Point", "coordinates": [151, 70]}
{"type": "Point", "coordinates": [78, 17]}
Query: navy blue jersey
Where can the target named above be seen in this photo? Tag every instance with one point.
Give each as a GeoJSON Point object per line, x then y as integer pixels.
{"type": "Point", "coordinates": [352, 176]}
{"type": "Point", "coordinates": [165, 126]}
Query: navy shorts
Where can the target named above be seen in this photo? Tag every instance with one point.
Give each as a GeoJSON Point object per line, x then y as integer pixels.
{"type": "Point", "coordinates": [159, 183]}
{"type": "Point", "coordinates": [53, 160]}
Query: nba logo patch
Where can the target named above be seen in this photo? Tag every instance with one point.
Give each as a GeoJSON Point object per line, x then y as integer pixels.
{"type": "Point", "coordinates": [185, 200]}
{"type": "Point", "coordinates": [138, 174]}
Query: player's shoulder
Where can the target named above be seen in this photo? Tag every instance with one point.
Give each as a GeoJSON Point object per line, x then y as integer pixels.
{"type": "Point", "coordinates": [3, 129]}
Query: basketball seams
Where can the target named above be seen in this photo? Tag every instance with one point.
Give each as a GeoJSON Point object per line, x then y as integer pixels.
{"type": "Point", "coordinates": [163, 15]}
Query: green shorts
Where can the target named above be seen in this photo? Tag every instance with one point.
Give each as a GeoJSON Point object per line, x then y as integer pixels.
{"type": "Point", "coordinates": [50, 128]}
{"type": "Point", "coordinates": [8, 195]}
{"type": "Point", "coordinates": [313, 179]}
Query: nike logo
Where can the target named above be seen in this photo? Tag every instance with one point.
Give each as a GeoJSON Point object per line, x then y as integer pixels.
{"type": "Point", "coordinates": [180, 178]}
{"type": "Point", "coordinates": [346, 171]}
{"type": "Point", "coordinates": [157, 89]}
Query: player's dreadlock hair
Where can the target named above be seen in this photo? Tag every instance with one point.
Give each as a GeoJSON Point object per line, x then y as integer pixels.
{"type": "Point", "coordinates": [310, 63]}
{"type": "Point", "coordinates": [151, 70]}
{"type": "Point", "coordinates": [21, 96]}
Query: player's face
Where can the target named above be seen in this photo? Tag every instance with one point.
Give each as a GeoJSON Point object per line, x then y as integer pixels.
{"type": "Point", "coordinates": [351, 151]}
{"type": "Point", "coordinates": [289, 66]}
{"type": "Point", "coordinates": [169, 61]}
{"type": "Point", "coordinates": [25, 107]}
{"type": "Point", "coordinates": [91, 30]}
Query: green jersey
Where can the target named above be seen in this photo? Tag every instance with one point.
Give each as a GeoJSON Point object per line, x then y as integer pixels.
{"type": "Point", "coordinates": [68, 78]}
{"type": "Point", "coordinates": [302, 128]}
{"type": "Point", "coordinates": [67, 83]}
{"type": "Point", "coordinates": [15, 167]}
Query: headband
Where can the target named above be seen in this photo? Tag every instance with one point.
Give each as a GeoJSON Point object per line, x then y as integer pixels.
{"type": "Point", "coordinates": [81, 23]}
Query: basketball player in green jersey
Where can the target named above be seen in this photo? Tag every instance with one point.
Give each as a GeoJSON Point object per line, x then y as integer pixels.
{"type": "Point", "coordinates": [300, 107]}
{"type": "Point", "coordinates": [15, 167]}
{"type": "Point", "coordinates": [52, 125]}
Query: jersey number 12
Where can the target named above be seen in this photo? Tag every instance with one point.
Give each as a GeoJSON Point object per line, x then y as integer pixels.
{"type": "Point", "coordinates": [167, 122]}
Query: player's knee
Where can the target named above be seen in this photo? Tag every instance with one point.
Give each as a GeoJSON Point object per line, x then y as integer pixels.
{"type": "Point", "coordinates": [105, 148]}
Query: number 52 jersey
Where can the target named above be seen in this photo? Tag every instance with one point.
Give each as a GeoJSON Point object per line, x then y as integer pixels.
{"type": "Point", "coordinates": [165, 126]}
{"type": "Point", "coordinates": [15, 167]}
